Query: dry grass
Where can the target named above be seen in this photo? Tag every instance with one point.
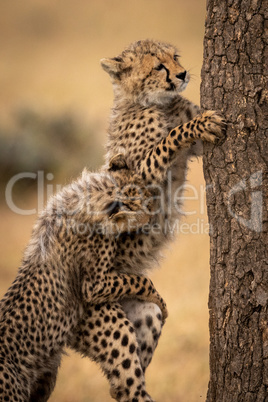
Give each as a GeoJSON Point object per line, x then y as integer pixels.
{"type": "Point", "coordinates": [50, 59]}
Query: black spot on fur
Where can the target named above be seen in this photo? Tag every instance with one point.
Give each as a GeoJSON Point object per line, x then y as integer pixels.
{"type": "Point", "coordinates": [149, 321]}
{"type": "Point", "coordinates": [126, 364]}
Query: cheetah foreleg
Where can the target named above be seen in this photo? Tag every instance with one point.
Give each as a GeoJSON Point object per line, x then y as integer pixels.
{"type": "Point", "coordinates": [117, 285]}
{"type": "Point", "coordinates": [209, 126]}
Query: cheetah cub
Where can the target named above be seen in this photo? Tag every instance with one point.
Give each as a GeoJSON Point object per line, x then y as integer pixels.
{"type": "Point", "coordinates": [157, 130]}
{"type": "Point", "coordinates": [67, 281]}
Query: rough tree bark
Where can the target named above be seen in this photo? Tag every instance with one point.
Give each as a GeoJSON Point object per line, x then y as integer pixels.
{"type": "Point", "coordinates": [234, 81]}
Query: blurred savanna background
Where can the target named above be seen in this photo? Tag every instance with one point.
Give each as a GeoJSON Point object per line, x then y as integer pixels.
{"type": "Point", "coordinates": [54, 107]}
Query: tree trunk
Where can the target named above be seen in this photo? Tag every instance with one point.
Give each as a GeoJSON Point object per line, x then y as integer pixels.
{"type": "Point", "coordinates": [234, 81]}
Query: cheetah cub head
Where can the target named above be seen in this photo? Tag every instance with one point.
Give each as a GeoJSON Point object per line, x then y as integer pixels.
{"type": "Point", "coordinates": [148, 72]}
{"type": "Point", "coordinates": [131, 206]}
{"type": "Point", "coordinates": [120, 202]}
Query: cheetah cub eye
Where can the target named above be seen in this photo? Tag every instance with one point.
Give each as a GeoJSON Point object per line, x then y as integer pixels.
{"type": "Point", "coordinates": [160, 67]}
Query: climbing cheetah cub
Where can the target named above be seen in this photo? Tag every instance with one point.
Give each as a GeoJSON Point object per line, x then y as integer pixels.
{"type": "Point", "coordinates": [148, 79]}
{"type": "Point", "coordinates": [67, 281]}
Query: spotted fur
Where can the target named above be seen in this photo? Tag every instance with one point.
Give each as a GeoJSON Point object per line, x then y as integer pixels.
{"type": "Point", "coordinates": [66, 290]}
{"type": "Point", "coordinates": [148, 79]}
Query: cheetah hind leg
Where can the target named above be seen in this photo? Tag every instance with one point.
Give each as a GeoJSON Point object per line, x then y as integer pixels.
{"type": "Point", "coordinates": [44, 386]}
{"type": "Point", "coordinates": [147, 321]}
{"type": "Point", "coordinates": [106, 336]}
{"type": "Point", "coordinates": [13, 387]}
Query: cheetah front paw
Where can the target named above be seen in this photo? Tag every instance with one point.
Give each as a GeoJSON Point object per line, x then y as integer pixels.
{"type": "Point", "coordinates": [214, 126]}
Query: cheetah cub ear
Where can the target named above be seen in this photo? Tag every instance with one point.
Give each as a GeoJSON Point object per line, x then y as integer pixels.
{"type": "Point", "coordinates": [129, 221]}
{"type": "Point", "coordinates": [112, 66]}
{"type": "Point", "coordinates": [117, 162]}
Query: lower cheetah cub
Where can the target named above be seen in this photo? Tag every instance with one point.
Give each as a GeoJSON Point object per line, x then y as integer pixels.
{"type": "Point", "coordinates": [68, 267]}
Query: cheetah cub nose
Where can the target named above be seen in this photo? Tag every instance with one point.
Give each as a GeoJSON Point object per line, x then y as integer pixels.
{"type": "Point", "coordinates": [182, 76]}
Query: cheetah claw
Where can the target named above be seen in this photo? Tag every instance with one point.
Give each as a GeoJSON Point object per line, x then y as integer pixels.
{"type": "Point", "coordinates": [214, 125]}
